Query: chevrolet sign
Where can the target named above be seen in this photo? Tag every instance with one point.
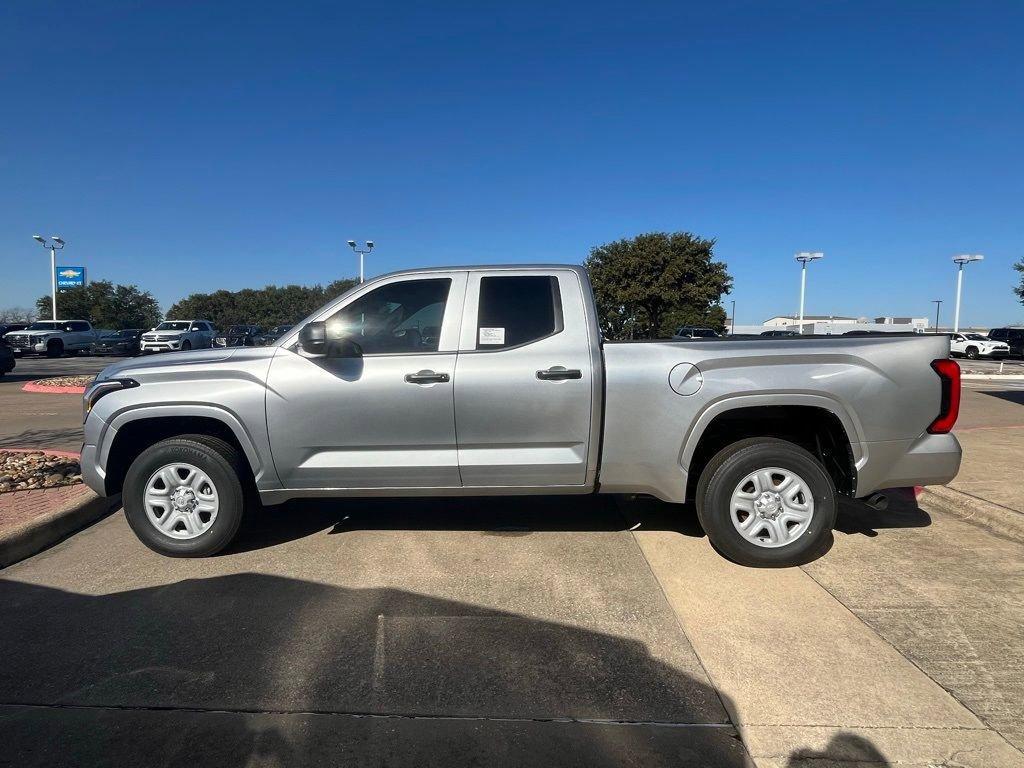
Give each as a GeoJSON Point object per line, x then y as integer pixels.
{"type": "Point", "coordinates": [70, 277]}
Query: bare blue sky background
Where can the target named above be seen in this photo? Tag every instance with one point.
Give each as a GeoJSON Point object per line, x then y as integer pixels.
{"type": "Point", "coordinates": [188, 147]}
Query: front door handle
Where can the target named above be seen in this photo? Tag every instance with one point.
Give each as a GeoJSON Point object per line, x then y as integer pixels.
{"type": "Point", "coordinates": [426, 377]}
{"type": "Point", "coordinates": [558, 373]}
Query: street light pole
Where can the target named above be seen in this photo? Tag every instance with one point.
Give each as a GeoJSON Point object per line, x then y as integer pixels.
{"type": "Point", "coordinates": [55, 245]}
{"type": "Point", "coordinates": [361, 252]}
{"type": "Point", "coordinates": [960, 260]}
{"type": "Point", "coordinates": [938, 304]}
{"type": "Point", "coordinates": [732, 331]}
{"type": "Point", "coordinates": [803, 257]}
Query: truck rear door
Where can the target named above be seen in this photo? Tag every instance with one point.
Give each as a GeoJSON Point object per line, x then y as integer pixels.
{"type": "Point", "coordinates": [523, 380]}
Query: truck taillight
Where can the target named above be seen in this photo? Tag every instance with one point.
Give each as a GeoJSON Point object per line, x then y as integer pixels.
{"type": "Point", "coordinates": [949, 373]}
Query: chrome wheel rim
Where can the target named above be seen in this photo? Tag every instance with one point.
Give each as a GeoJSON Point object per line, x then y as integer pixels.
{"type": "Point", "coordinates": [181, 501]}
{"type": "Point", "coordinates": [771, 507]}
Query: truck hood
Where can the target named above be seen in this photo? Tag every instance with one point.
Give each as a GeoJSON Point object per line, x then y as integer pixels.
{"type": "Point", "coordinates": [33, 333]}
{"type": "Point", "coordinates": [166, 362]}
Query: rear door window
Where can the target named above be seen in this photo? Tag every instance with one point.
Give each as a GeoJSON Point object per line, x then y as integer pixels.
{"type": "Point", "coordinates": [517, 310]}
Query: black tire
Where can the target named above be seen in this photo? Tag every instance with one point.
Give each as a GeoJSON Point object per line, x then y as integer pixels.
{"type": "Point", "coordinates": [186, 345]}
{"type": "Point", "coordinates": [972, 353]}
{"type": "Point", "coordinates": [226, 468]}
{"type": "Point", "coordinates": [54, 348]}
{"type": "Point", "coordinates": [734, 462]}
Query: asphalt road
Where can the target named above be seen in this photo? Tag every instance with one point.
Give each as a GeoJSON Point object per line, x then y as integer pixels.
{"type": "Point", "coordinates": [511, 631]}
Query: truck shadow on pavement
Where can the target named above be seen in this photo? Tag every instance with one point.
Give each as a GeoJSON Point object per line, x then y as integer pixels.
{"type": "Point", "coordinates": [250, 669]}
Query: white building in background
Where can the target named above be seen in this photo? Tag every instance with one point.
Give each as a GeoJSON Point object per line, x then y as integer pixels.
{"type": "Point", "coordinates": [835, 325]}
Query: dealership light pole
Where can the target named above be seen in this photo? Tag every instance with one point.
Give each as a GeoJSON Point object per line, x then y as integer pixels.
{"type": "Point", "coordinates": [55, 244]}
{"type": "Point", "coordinates": [361, 252]}
{"type": "Point", "coordinates": [803, 257]}
{"type": "Point", "coordinates": [938, 305]}
{"type": "Point", "coordinates": [964, 258]}
{"type": "Point", "coordinates": [732, 331]}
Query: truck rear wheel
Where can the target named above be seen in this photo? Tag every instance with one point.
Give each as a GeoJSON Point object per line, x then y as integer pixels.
{"type": "Point", "coordinates": [767, 502]}
{"type": "Point", "coordinates": [184, 496]}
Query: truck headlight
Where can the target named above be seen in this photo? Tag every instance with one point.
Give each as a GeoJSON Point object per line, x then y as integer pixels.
{"type": "Point", "coordinates": [98, 389]}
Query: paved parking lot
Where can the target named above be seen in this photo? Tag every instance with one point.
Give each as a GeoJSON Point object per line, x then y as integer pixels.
{"type": "Point", "coordinates": [552, 631]}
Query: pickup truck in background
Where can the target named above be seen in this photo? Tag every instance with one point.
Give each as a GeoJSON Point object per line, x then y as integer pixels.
{"type": "Point", "coordinates": [496, 380]}
{"type": "Point", "coordinates": [53, 338]}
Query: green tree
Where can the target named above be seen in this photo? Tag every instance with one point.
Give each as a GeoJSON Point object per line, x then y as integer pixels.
{"type": "Point", "coordinates": [105, 305]}
{"type": "Point", "coordinates": [1019, 290]}
{"type": "Point", "coordinates": [266, 307]}
{"type": "Point", "coordinates": [648, 286]}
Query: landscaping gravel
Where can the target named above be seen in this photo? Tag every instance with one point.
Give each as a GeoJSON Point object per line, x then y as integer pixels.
{"type": "Point", "coordinates": [67, 381]}
{"type": "Point", "coordinates": [36, 469]}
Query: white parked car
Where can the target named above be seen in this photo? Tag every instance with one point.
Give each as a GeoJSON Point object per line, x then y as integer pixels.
{"type": "Point", "coordinates": [975, 345]}
{"type": "Point", "coordinates": [52, 338]}
{"type": "Point", "coordinates": [175, 335]}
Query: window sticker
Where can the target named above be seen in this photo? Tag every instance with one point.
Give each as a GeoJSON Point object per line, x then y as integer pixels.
{"type": "Point", "coordinates": [492, 335]}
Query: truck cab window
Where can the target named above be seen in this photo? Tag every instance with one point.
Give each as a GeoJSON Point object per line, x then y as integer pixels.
{"type": "Point", "coordinates": [395, 318]}
{"type": "Point", "coordinates": [516, 310]}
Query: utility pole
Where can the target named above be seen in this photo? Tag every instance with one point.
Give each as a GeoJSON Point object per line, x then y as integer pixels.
{"type": "Point", "coordinates": [732, 331]}
{"type": "Point", "coordinates": [55, 245]}
{"type": "Point", "coordinates": [938, 304]}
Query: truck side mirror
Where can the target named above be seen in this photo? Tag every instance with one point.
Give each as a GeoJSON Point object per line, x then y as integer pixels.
{"type": "Point", "coordinates": [313, 337]}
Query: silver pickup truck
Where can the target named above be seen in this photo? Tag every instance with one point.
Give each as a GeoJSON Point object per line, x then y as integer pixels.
{"type": "Point", "coordinates": [495, 380]}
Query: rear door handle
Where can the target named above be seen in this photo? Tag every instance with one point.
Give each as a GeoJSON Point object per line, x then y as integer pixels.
{"type": "Point", "coordinates": [558, 373]}
{"type": "Point", "coordinates": [426, 377]}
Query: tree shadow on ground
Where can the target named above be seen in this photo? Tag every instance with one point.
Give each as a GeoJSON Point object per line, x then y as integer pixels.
{"type": "Point", "coordinates": [843, 749]}
{"type": "Point", "coordinates": [251, 669]}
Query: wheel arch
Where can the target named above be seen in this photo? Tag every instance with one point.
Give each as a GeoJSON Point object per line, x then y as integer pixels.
{"type": "Point", "coordinates": [133, 431]}
{"type": "Point", "coordinates": [816, 422]}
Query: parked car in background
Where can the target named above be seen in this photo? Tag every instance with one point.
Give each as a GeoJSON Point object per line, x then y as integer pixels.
{"type": "Point", "coordinates": [6, 328]}
{"type": "Point", "coordinates": [273, 334]}
{"type": "Point", "coordinates": [122, 343]}
{"type": "Point", "coordinates": [6, 359]}
{"type": "Point", "coordinates": [694, 332]}
{"type": "Point", "coordinates": [175, 335]}
{"type": "Point", "coordinates": [52, 338]}
{"type": "Point", "coordinates": [975, 345]}
{"type": "Point", "coordinates": [496, 380]}
{"type": "Point", "coordinates": [779, 332]}
{"type": "Point", "coordinates": [238, 336]}
{"type": "Point", "coordinates": [1014, 338]}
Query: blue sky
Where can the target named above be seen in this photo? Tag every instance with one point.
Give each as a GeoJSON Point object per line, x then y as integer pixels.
{"type": "Point", "coordinates": [187, 147]}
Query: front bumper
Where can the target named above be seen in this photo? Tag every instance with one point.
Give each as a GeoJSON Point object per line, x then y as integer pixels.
{"type": "Point", "coordinates": [160, 346]}
{"type": "Point", "coordinates": [928, 460]}
{"type": "Point", "coordinates": [92, 475]}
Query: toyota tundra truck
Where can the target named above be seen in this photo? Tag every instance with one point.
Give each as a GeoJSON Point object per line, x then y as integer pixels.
{"type": "Point", "coordinates": [475, 381]}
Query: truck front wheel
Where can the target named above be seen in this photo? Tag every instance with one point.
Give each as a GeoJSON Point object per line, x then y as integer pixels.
{"type": "Point", "coordinates": [767, 502]}
{"type": "Point", "coordinates": [184, 496]}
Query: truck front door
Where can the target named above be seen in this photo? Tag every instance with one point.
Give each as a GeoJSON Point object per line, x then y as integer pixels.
{"type": "Point", "coordinates": [523, 381]}
{"type": "Point", "coordinates": [381, 421]}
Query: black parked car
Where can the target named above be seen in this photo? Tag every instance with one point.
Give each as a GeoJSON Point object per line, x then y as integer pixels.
{"type": "Point", "coordinates": [6, 359]}
{"type": "Point", "coordinates": [273, 334]}
{"type": "Point", "coordinates": [121, 343]}
{"type": "Point", "coordinates": [8, 327]}
{"type": "Point", "coordinates": [238, 336]}
{"type": "Point", "coordinates": [1014, 338]}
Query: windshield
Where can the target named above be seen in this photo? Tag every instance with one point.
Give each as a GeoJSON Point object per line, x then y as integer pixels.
{"type": "Point", "coordinates": [178, 325]}
{"type": "Point", "coordinates": [50, 326]}
{"type": "Point", "coordinates": [237, 330]}
{"type": "Point", "coordinates": [977, 337]}
{"type": "Point", "coordinates": [120, 335]}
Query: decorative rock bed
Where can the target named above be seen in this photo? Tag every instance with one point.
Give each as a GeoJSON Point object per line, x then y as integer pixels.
{"type": "Point", "coordinates": [27, 470]}
{"type": "Point", "coordinates": [66, 381]}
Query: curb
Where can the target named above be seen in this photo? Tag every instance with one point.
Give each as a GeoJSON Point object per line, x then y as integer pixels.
{"type": "Point", "coordinates": [47, 389]}
{"type": "Point", "coordinates": [49, 451]}
{"type": "Point", "coordinates": [46, 530]}
{"type": "Point", "coordinates": [1002, 521]}
{"type": "Point", "coordinates": [992, 376]}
